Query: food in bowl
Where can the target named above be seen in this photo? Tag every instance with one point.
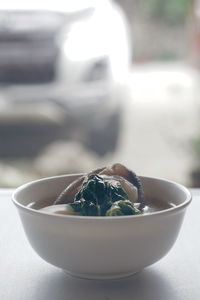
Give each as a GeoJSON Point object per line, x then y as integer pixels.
{"type": "Point", "coordinates": [107, 191]}
{"type": "Point", "coordinates": [63, 240]}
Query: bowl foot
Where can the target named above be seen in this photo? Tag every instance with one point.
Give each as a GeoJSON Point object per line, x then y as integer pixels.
{"type": "Point", "coordinates": [100, 276]}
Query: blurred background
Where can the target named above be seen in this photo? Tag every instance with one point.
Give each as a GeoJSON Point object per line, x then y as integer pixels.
{"type": "Point", "coordinates": [88, 83]}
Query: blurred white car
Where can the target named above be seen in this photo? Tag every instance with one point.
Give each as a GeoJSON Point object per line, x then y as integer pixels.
{"type": "Point", "coordinates": [62, 75]}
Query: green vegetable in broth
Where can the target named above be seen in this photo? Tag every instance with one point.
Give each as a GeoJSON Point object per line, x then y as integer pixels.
{"type": "Point", "coordinates": [122, 208]}
{"type": "Point", "coordinates": [97, 197]}
{"type": "Point", "coordinates": [113, 191]}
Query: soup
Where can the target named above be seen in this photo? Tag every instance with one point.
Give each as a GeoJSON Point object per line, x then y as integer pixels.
{"type": "Point", "coordinates": [107, 191]}
{"type": "Point", "coordinates": [151, 206]}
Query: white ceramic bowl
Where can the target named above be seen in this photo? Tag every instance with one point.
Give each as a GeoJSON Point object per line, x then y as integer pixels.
{"type": "Point", "coordinates": [101, 247]}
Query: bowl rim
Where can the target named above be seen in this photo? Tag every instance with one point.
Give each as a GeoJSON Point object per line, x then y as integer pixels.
{"type": "Point", "coordinates": [100, 218]}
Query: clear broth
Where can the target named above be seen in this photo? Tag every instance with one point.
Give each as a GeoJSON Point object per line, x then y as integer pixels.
{"type": "Point", "coordinates": [152, 205]}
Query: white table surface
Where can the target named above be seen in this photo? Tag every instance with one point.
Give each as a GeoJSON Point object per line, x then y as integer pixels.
{"type": "Point", "coordinates": [25, 276]}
